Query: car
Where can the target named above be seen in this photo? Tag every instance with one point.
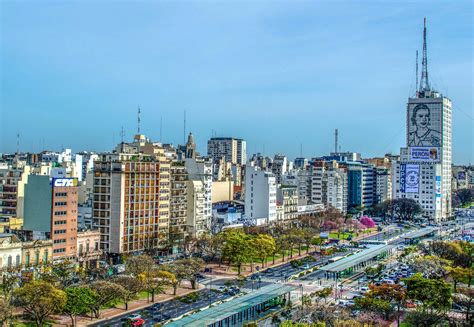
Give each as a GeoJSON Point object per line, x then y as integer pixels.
{"type": "Point", "coordinates": [364, 289]}
{"type": "Point", "coordinates": [134, 316]}
{"type": "Point", "coordinates": [137, 322]}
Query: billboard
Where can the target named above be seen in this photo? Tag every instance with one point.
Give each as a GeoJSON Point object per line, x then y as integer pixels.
{"type": "Point", "coordinates": [424, 121]}
{"type": "Point", "coordinates": [438, 186]}
{"type": "Point", "coordinates": [462, 175]}
{"type": "Point", "coordinates": [409, 178]}
{"type": "Point", "coordinates": [424, 153]}
{"type": "Point", "coordinates": [64, 182]}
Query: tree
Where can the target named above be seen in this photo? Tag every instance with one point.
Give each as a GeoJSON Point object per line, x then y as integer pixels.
{"type": "Point", "coordinates": [457, 252]}
{"type": "Point", "coordinates": [430, 266]}
{"type": "Point", "coordinates": [464, 196]}
{"type": "Point", "coordinates": [78, 301]}
{"type": "Point", "coordinates": [5, 311]}
{"type": "Point", "coordinates": [264, 245]}
{"type": "Point", "coordinates": [393, 294]}
{"type": "Point", "coordinates": [406, 209]}
{"type": "Point", "coordinates": [322, 294]}
{"type": "Point", "coordinates": [465, 299]}
{"type": "Point", "coordinates": [131, 285]}
{"type": "Point", "coordinates": [434, 294]}
{"type": "Point", "coordinates": [40, 299]}
{"type": "Point", "coordinates": [367, 222]}
{"type": "Point", "coordinates": [139, 264]}
{"type": "Point", "coordinates": [459, 274]}
{"type": "Point", "coordinates": [179, 271]}
{"type": "Point", "coordinates": [157, 280]}
{"type": "Point", "coordinates": [237, 248]}
{"type": "Point", "coordinates": [105, 293]}
{"type": "Point", "coordinates": [10, 281]}
{"type": "Point", "coordinates": [194, 265]}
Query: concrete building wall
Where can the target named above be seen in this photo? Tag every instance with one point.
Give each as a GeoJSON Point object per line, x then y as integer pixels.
{"type": "Point", "coordinates": [38, 208]}
{"type": "Point", "coordinates": [222, 191]}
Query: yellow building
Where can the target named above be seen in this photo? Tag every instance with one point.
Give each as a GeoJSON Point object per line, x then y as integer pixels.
{"type": "Point", "coordinates": [37, 253]}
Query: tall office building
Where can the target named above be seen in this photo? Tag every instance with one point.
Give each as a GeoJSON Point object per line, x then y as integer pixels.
{"type": "Point", "coordinates": [423, 172]}
{"type": "Point", "coordinates": [51, 212]}
{"type": "Point", "coordinates": [233, 150]}
{"type": "Point", "coordinates": [131, 198]}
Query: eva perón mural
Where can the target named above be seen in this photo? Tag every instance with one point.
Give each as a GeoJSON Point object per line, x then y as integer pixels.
{"type": "Point", "coordinates": [424, 125]}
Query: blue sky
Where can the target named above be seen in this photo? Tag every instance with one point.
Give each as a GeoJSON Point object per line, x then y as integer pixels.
{"type": "Point", "coordinates": [278, 74]}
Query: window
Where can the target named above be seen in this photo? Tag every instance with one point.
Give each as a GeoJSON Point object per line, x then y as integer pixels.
{"type": "Point", "coordinates": [45, 259]}
{"type": "Point", "coordinates": [27, 259]}
{"type": "Point", "coordinates": [81, 248]}
{"type": "Point", "coordinates": [60, 213]}
{"type": "Point", "coordinates": [18, 260]}
{"type": "Point", "coordinates": [9, 261]}
{"type": "Point", "coordinates": [37, 258]}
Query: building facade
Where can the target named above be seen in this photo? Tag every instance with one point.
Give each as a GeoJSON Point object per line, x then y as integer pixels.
{"type": "Point", "coordinates": [260, 195]}
{"type": "Point", "coordinates": [423, 172]}
{"type": "Point", "coordinates": [232, 149]}
{"type": "Point", "coordinates": [131, 202]}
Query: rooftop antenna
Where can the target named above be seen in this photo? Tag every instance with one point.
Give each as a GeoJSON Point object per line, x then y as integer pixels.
{"type": "Point", "coordinates": [18, 142]}
{"type": "Point", "coordinates": [301, 150]}
{"type": "Point", "coordinates": [138, 120]}
{"type": "Point", "coordinates": [336, 141]}
{"type": "Point", "coordinates": [122, 134]}
{"type": "Point", "coordinates": [161, 129]}
{"type": "Point", "coordinates": [424, 83]}
{"type": "Point", "coordinates": [184, 128]}
{"type": "Point", "coordinates": [416, 65]}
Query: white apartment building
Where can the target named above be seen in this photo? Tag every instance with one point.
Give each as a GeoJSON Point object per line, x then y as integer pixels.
{"type": "Point", "coordinates": [199, 195]}
{"type": "Point", "coordinates": [383, 184]}
{"type": "Point", "coordinates": [329, 185]}
{"type": "Point", "coordinates": [260, 195]}
{"type": "Point", "coordinates": [335, 181]}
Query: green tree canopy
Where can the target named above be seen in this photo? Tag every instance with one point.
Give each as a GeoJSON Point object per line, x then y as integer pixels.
{"type": "Point", "coordinates": [78, 301]}
{"type": "Point", "coordinates": [40, 299]}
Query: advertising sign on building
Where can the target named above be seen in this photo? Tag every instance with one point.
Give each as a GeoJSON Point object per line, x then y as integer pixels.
{"type": "Point", "coordinates": [462, 175]}
{"type": "Point", "coordinates": [424, 124]}
{"type": "Point", "coordinates": [64, 182]}
{"type": "Point", "coordinates": [438, 186]}
{"type": "Point", "coordinates": [424, 153]}
{"type": "Point", "coordinates": [409, 178]}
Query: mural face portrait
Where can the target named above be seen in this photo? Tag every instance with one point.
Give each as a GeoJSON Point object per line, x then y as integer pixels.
{"type": "Point", "coordinates": [421, 133]}
{"type": "Point", "coordinates": [422, 118]}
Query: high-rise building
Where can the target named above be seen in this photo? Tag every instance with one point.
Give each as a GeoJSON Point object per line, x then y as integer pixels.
{"type": "Point", "coordinates": [423, 172]}
{"type": "Point", "coordinates": [51, 212]}
{"type": "Point", "coordinates": [329, 184]}
{"type": "Point", "coordinates": [361, 184]}
{"type": "Point", "coordinates": [260, 195]}
{"type": "Point", "coordinates": [233, 150]}
{"type": "Point", "coordinates": [279, 167]}
{"type": "Point", "coordinates": [178, 202]}
{"type": "Point", "coordinates": [12, 180]}
{"type": "Point", "coordinates": [199, 196]}
{"type": "Point", "coordinates": [131, 197]}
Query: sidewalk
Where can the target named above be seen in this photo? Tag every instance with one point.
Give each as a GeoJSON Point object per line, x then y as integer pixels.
{"type": "Point", "coordinates": [132, 306]}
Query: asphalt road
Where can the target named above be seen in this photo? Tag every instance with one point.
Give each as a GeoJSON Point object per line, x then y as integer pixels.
{"type": "Point", "coordinates": [159, 312]}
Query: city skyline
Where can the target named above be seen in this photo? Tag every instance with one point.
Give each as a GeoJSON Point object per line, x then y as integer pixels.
{"type": "Point", "coordinates": [276, 76]}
